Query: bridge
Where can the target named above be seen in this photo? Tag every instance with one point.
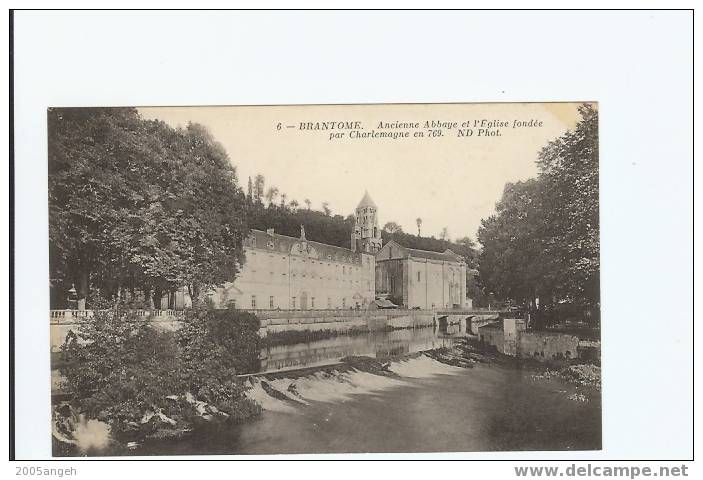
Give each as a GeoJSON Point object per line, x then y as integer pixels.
{"type": "Point", "coordinates": [469, 321]}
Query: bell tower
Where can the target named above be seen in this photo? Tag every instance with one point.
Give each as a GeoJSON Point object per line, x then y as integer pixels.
{"type": "Point", "coordinates": [366, 236]}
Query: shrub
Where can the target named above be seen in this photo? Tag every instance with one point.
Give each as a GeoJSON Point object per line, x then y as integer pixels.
{"type": "Point", "coordinates": [121, 370]}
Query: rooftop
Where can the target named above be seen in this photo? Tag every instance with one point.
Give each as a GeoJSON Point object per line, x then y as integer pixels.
{"type": "Point", "coordinates": [284, 244]}
{"type": "Point", "coordinates": [366, 201]}
{"type": "Point", "coordinates": [447, 255]}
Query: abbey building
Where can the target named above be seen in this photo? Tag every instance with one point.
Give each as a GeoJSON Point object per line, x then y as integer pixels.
{"type": "Point", "coordinates": [295, 273]}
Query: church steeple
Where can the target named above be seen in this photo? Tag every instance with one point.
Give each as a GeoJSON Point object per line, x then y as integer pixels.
{"type": "Point", "coordinates": [366, 201]}
{"type": "Point", "coordinates": [366, 236]}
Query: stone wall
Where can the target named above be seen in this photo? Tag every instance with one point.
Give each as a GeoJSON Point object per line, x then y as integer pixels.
{"type": "Point", "coordinates": [545, 345]}
{"type": "Point", "coordinates": [344, 320]}
{"type": "Point", "coordinates": [492, 335]}
{"type": "Point", "coordinates": [510, 338]}
{"type": "Point", "coordinates": [297, 320]}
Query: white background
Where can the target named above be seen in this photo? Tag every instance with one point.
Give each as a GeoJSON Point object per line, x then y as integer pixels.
{"type": "Point", "coordinates": [637, 65]}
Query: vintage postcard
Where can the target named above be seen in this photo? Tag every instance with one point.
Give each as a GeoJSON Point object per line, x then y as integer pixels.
{"type": "Point", "coordinates": [324, 279]}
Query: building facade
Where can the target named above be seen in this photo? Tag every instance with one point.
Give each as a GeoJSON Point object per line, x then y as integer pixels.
{"type": "Point", "coordinates": [413, 278]}
{"type": "Point", "coordinates": [288, 273]}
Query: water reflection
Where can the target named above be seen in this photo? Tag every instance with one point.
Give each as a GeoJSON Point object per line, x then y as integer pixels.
{"type": "Point", "coordinates": [373, 344]}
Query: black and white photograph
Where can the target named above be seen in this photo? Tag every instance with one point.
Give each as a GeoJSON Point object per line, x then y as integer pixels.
{"type": "Point", "coordinates": [324, 279]}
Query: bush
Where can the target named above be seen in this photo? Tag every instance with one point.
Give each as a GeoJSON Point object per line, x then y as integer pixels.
{"type": "Point", "coordinates": [121, 370]}
{"type": "Point", "coordinates": [219, 340]}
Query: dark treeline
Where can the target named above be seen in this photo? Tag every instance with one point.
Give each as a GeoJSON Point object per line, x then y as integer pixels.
{"type": "Point", "coordinates": [319, 226]}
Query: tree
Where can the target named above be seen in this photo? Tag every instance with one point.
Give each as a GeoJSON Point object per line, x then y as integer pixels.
{"type": "Point", "coordinates": [543, 240]}
{"type": "Point", "coordinates": [271, 195]}
{"type": "Point", "coordinates": [294, 205]}
{"type": "Point", "coordinates": [513, 263]}
{"type": "Point", "coordinates": [250, 190]}
{"type": "Point", "coordinates": [259, 183]}
{"type": "Point", "coordinates": [392, 227]}
{"type": "Point", "coordinates": [444, 235]}
{"type": "Point", "coordinates": [466, 241]}
{"type": "Point", "coordinates": [307, 203]}
{"type": "Point", "coordinates": [138, 205]}
{"type": "Point", "coordinates": [326, 208]}
{"type": "Point", "coordinates": [418, 221]}
{"type": "Point", "coordinates": [569, 169]}
{"type": "Point", "coordinates": [284, 197]}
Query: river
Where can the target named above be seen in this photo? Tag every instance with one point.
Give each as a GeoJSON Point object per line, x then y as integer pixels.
{"type": "Point", "coordinates": [428, 407]}
{"type": "Point", "coordinates": [379, 344]}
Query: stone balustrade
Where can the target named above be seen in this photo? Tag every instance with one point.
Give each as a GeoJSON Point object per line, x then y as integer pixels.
{"type": "Point", "coordinates": [73, 316]}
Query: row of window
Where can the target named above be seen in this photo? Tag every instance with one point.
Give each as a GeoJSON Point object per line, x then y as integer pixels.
{"type": "Point", "coordinates": [345, 268]}
{"type": "Point", "coordinates": [293, 302]}
{"type": "Point", "coordinates": [304, 275]}
{"type": "Point", "coordinates": [436, 274]}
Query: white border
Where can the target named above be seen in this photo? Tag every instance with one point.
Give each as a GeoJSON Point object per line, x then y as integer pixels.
{"type": "Point", "coordinates": [636, 64]}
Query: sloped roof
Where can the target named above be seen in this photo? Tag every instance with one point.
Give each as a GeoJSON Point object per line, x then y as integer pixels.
{"type": "Point", "coordinates": [385, 303]}
{"type": "Point", "coordinates": [366, 201]}
{"type": "Point", "coordinates": [447, 255]}
{"type": "Point", "coordinates": [283, 244]}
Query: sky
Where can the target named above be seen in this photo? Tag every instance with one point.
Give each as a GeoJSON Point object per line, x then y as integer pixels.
{"type": "Point", "coordinates": [447, 181]}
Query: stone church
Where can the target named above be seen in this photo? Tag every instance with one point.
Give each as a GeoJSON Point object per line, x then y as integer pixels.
{"type": "Point", "coordinates": [420, 278]}
{"type": "Point", "coordinates": [289, 273]}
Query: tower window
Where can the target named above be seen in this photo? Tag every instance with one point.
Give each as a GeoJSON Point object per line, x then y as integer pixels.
{"type": "Point", "coordinates": [292, 303]}
{"type": "Point", "coordinates": [253, 302]}
{"type": "Point", "coordinates": [418, 276]}
{"type": "Point", "coordinates": [271, 302]}
{"type": "Point", "coordinates": [312, 302]}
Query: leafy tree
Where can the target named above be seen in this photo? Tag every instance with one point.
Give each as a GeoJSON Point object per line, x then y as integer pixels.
{"type": "Point", "coordinates": [135, 204]}
{"type": "Point", "coordinates": [542, 241]}
{"type": "Point", "coordinates": [569, 169]}
{"type": "Point", "coordinates": [466, 241]}
{"type": "Point", "coordinates": [307, 202]}
{"type": "Point", "coordinates": [418, 221]}
{"type": "Point", "coordinates": [259, 183]}
{"type": "Point", "coordinates": [444, 235]}
{"type": "Point", "coordinates": [326, 208]}
{"type": "Point", "coordinates": [513, 262]}
{"type": "Point", "coordinates": [271, 195]}
{"type": "Point", "coordinates": [392, 227]}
